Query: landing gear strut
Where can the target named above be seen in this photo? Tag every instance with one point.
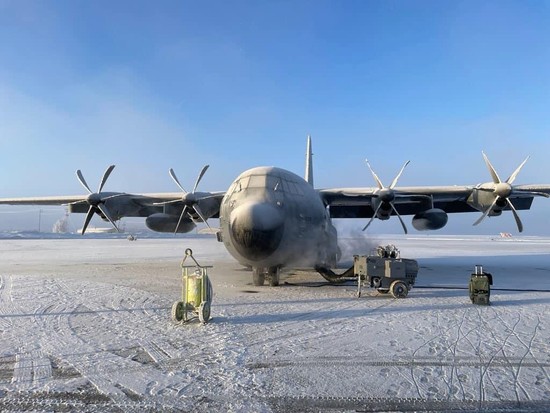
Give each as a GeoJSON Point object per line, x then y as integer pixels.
{"type": "Point", "coordinates": [258, 277]}
{"type": "Point", "coordinates": [259, 274]}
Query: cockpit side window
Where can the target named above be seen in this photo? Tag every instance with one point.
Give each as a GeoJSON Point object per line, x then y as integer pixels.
{"type": "Point", "coordinates": [242, 184]}
{"type": "Point", "coordinates": [292, 187]}
{"type": "Point", "coordinates": [274, 183]}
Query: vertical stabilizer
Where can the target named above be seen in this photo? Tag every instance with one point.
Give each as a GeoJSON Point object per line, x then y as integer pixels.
{"type": "Point", "coordinates": [309, 162]}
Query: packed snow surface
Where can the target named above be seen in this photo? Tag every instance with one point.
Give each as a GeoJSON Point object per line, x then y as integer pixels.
{"type": "Point", "coordinates": [85, 326]}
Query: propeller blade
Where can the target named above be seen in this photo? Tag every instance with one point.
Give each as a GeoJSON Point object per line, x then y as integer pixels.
{"type": "Point", "coordinates": [189, 200]}
{"type": "Point", "coordinates": [516, 216]}
{"type": "Point", "coordinates": [175, 178]}
{"type": "Point", "coordinates": [394, 182]}
{"type": "Point", "coordinates": [107, 214]}
{"type": "Point", "coordinates": [399, 216]}
{"type": "Point", "coordinates": [179, 220]}
{"type": "Point", "coordinates": [503, 190]}
{"type": "Point", "coordinates": [83, 181]}
{"type": "Point", "coordinates": [201, 174]}
{"type": "Point", "coordinates": [199, 212]}
{"type": "Point", "coordinates": [492, 171]}
{"type": "Point", "coordinates": [89, 216]}
{"type": "Point", "coordinates": [516, 172]}
{"type": "Point", "coordinates": [373, 216]}
{"type": "Point", "coordinates": [487, 211]}
{"type": "Point", "coordinates": [378, 181]}
{"type": "Point", "coordinates": [105, 177]}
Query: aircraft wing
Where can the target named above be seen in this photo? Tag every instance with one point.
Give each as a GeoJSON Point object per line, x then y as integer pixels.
{"type": "Point", "coordinates": [360, 202]}
{"type": "Point", "coordinates": [44, 200]}
{"type": "Point", "coordinates": [120, 203]}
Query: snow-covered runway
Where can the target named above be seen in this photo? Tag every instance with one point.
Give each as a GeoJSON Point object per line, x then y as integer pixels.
{"type": "Point", "coordinates": [84, 326]}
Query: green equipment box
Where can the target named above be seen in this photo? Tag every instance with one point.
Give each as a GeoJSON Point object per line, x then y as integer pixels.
{"type": "Point", "coordinates": [480, 286]}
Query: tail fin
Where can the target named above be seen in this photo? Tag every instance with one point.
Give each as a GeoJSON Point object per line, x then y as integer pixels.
{"type": "Point", "coordinates": [309, 162]}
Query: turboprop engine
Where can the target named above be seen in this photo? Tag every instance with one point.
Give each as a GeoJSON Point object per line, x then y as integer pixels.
{"type": "Point", "coordinates": [167, 223]}
{"type": "Point", "coordinates": [430, 219]}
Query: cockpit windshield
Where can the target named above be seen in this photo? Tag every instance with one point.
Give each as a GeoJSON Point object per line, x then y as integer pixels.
{"type": "Point", "coordinates": [269, 182]}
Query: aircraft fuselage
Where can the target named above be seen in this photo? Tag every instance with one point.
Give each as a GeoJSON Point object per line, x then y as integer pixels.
{"type": "Point", "coordinates": [271, 218]}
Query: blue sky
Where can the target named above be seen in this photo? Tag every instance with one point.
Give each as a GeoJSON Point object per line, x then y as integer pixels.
{"type": "Point", "coordinates": [236, 84]}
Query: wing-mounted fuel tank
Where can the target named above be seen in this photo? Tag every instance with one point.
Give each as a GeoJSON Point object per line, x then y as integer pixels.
{"type": "Point", "coordinates": [430, 220]}
{"type": "Point", "coordinates": [161, 222]}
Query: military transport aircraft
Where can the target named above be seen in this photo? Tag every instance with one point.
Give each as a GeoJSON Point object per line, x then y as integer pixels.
{"type": "Point", "coordinates": [271, 218]}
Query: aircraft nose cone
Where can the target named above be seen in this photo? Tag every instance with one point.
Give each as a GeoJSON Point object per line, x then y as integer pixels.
{"type": "Point", "coordinates": [257, 230]}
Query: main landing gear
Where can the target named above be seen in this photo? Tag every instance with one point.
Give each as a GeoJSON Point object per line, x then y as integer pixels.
{"type": "Point", "coordinates": [259, 275]}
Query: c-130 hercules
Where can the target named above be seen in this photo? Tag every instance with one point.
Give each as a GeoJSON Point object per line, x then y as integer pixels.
{"type": "Point", "coordinates": [271, 218]}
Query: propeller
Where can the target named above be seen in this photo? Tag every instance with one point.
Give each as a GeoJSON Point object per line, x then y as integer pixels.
{"type": "Point", "coordinates": [386, 195]}
{"type": "Point", "coordinates": [503, 190]}
{"type": "Point", "coordinates": [96, 200]}
{"type": "Point", "coordinates": [189, 199]}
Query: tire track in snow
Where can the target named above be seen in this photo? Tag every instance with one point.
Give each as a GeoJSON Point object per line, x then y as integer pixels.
{"type": "Point", "coordinates": [528, 350]}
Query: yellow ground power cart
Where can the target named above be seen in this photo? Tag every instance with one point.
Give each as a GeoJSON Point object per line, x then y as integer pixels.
{"type": "Point", "coordinates": [196, 292]}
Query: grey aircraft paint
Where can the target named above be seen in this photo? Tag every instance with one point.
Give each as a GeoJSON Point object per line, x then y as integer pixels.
{"type": "Point", "coordinates": [271, 218]}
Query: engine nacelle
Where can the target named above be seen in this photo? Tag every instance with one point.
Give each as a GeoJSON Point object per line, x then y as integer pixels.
{"type": "Point", "coordinates": [499, 206]}
{"type": "Point", "coordinates": [167, 223]}
{"type": "Point", "coordinates": [430, 219]}
{"type": "Point", "coordinates": [384, 212]}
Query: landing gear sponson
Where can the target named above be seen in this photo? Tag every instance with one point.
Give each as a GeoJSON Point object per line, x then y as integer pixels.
{"type": "Point", "coordinates": [259, 274]}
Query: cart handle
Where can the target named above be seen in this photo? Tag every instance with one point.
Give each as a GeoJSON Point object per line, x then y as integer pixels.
{"type": "Point", "coordinates": [189, 253]}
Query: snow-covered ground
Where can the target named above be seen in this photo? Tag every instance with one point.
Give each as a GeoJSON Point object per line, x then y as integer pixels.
{"type": "Point", "coordinates": [85, 326]}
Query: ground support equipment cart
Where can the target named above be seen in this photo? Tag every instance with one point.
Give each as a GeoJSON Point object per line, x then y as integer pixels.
{"type": "Point", "coordinates": [385, 271]}
{"type": "Point", "coordinates": [480, 286]}
{"type": "Point", "coordinates": [196, 292]}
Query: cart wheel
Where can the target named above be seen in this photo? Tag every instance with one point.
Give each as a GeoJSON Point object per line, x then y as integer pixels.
{"type": "Point", "coordinates": [399, 289]}
{"type": "Point", "coordinates": [204, 312]}
{"type": "Point", "coordinates": [178, 311]}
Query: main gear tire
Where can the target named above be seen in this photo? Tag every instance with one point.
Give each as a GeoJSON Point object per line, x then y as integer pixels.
{"type": "Point", "coordinates": [258, 277]}
{"type": "Point", "coordinates": [274, 277]}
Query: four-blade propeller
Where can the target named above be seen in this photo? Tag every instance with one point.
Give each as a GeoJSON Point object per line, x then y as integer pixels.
{"type": "Point", "coordinates": [502, 191]}
{"type": "Point", "coordinates": [386, 195]}
{"type": "Point", "coordinates": [96, 200]}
